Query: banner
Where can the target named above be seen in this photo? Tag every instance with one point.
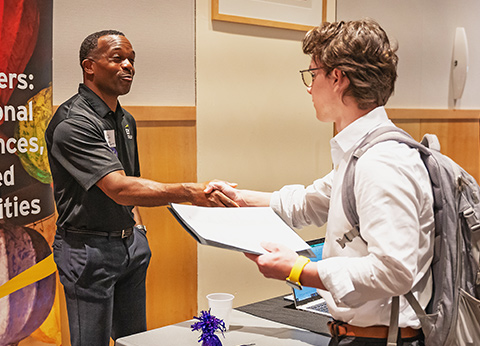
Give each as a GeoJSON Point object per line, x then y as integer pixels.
{"type": "Point", "coordinates": [27, 213]}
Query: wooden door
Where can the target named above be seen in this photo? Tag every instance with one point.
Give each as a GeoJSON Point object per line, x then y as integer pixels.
{"type": "Point", "coordinates": [167, 150]}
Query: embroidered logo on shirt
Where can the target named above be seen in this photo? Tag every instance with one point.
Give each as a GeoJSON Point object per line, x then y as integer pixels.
{"type": "Point", "coordinates": [127, 131]}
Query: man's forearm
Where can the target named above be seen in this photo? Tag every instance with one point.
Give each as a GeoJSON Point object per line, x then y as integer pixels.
{"type": "Point", "coordinates": [255, 198]}
{"type": "Point", "coordinates": [147, 193]}
{"type": "Point", "coordinates": [126, 190]}
{"type": "Point", "coordinates": [310, 278]}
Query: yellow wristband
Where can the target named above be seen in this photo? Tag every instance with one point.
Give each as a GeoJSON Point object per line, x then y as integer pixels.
{"type": "Point", "coordinates": [294, 277]}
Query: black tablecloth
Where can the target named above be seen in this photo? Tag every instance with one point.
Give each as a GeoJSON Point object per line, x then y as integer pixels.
{"type": "Point", "coordinates": [280, 310]}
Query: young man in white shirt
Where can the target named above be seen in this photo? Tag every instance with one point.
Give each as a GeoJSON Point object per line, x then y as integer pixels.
{"type": "Point", "coordinates": [351, 76]}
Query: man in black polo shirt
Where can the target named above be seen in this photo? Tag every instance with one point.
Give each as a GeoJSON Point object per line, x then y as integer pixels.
{"type": "Point", "coordinates": [101, 248]}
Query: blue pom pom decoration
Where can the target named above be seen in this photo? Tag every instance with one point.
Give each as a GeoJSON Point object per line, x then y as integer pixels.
{"type": "Point", "coordinates": [209, 324]}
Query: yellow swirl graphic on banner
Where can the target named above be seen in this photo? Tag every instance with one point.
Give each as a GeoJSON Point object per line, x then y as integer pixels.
{"type": "Point", "coordinates": [33, 274]}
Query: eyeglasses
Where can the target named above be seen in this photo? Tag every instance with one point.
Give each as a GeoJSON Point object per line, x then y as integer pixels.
{"type": "Point", "coordinates": [308, 76]}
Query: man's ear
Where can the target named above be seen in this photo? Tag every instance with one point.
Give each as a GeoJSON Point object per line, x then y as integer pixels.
{"type": "Point", "coordinates": [87, 66]}
{"type": "Point", "coordinates": [341, 81]}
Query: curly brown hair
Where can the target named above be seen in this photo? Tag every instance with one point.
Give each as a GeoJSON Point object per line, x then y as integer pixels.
{"type": "Point", "coordinates": [362, 51]}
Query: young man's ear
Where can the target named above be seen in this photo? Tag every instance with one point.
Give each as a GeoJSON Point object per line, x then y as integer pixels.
{"type": "Point", "coordinates": [340, 79]}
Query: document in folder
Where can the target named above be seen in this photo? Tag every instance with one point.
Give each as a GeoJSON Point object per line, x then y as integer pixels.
{"type": "Point", "coordinates": [238, 229]}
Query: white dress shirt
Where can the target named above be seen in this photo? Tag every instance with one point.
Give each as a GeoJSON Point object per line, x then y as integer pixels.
{"type": "Point", "coordinates": [395, 207]}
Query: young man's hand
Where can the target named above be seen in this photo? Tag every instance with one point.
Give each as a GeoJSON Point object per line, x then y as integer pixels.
{"type": "Point", "coordinates": [276, 263]}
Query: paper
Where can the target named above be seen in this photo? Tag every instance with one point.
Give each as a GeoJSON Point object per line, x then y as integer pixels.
{"type": "Point", "coordinates": [238, 229]}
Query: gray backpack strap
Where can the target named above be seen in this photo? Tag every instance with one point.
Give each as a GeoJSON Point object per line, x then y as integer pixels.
{"type": "Point", "coordinates": [394, 314]}
{"type": "Point", "coordinates": [393, 328]}
{"type": "Point", "coordinates": [349, 202]}
{"type": "Point", "coordinates": [431, 141]}
{"type": "Point", "coordinates": [378, 135]}
{"type": "Point", "coordinates": [416, 306]}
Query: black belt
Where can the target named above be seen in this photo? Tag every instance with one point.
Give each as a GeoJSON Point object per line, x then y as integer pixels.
{"type": "Point", "coordinates": [124, 233]}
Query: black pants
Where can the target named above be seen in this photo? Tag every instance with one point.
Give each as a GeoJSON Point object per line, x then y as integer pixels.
{"type": "Point", "coordinates": [104, 282]}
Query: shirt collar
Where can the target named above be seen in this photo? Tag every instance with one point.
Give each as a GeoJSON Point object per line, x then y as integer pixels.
{"type": "Point", "coordinates": [346, 139]}
{"type": "Point", "coordinates": [98, 105]}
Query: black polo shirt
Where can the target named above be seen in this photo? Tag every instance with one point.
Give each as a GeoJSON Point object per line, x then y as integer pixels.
{"type": "Point", "coordinates": [85, 142]}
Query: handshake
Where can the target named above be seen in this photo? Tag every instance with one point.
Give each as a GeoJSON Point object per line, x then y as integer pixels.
{"type": "Point", "coordinates": [217, 193]}
{"type": "Point", "coordinates": [224, 194]}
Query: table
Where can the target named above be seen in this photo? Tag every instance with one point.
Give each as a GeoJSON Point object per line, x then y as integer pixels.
{"type": "Point", "coordinates": [283, 311]}
{"type": "Point", "coordinates": [244, 329]}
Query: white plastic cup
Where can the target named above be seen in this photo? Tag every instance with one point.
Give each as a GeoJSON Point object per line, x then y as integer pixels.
{"type": "Point", "coordinates": [220, 305]}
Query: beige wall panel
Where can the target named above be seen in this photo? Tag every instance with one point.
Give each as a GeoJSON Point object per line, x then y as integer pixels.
{"type": "Point", "coordinates": [161, 32]}
{"type": "Point", "coordinates": [256, 127]}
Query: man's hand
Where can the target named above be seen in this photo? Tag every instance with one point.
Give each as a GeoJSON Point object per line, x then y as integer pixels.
{"type": "Point", "coordinates": [202, 196]}
{"type": "Point", "coordinates": [277, 263]}
{"type": "Point", "coordinates": [227, 189]}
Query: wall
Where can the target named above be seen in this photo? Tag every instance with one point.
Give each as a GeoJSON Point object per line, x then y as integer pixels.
{"type": "Point", "coordinates": [425, 32]}
{"type": "Point", "coordinates": [256, 127]}
{"type": "Point", "coordinates": [162, 34]}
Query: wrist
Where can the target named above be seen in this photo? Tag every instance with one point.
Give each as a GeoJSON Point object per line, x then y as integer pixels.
{"type": "Point", "coordinates": [240, 200]}
{"type": "Point", "coordinates": [293, 279]}
{"type": "Point", "coordinates": [189, 192]}
{"type": "Point", "coordinates": [141, 228]}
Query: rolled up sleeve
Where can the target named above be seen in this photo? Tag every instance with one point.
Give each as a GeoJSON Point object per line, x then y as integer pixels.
{"type": "Point", "coordinates": [301, 206]}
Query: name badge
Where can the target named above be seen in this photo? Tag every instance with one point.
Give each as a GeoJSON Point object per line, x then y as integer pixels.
{"type": "Point", "coordinates": [110, 138]}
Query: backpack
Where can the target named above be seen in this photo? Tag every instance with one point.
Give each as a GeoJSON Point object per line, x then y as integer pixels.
{"type": "Point", "coordinates": [452, 316]}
